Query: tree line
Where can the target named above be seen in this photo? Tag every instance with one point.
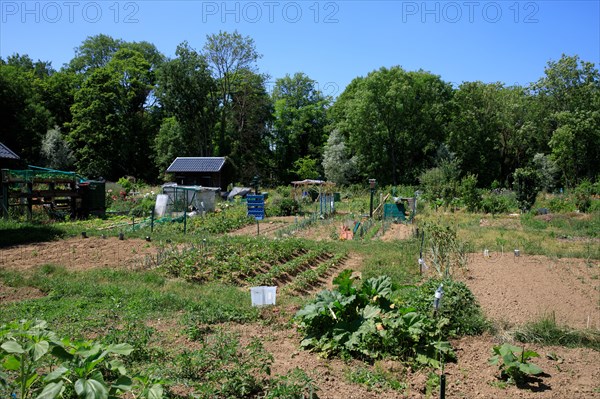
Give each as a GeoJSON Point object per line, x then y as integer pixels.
{"type": "Point", "coordinates": [122, 108]}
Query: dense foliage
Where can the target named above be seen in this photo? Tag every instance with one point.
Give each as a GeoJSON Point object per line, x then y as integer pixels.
{"type": "Point", "coordinates": [121, 108]}
{"type": "Point", "coordinates": [364, 322]}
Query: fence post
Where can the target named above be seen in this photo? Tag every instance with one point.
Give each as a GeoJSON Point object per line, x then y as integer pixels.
{"type": "Point", "coordinates": [152, 221]}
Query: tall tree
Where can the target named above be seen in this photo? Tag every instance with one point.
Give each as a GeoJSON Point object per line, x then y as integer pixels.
{"type": "Point", "coordinates": [300, 121]}
{"type": "Point", "coordinates": [251, 117]}
{"type": "Point", "coordinates": [25, 118]}
{"type": "Point", "coordinates": [108, 131]}
{"type": "Point", "coordinates": [569, 119]}
{"type": "Point", "coordinates": [229, 54]}
{"type": "Point", "coordinates": [395, 121]}
{"type": "Point", "coordinates": [338, 164]}
{"type": "Point", "coordinates": [185, 89]}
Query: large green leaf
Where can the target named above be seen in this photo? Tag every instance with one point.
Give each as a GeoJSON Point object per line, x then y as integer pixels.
{"type": "Point", "coordinates": [370, 312]}
{"type": "Point", "coordinates": [56, 374]}
{"type": "Point", "coordinates": [51, 391]}
{"type": "Point", "coordinates": [155, 392]}
{"type": "Point", "coordinates": [121, 349]}
{"type": "Point", "coordinates": [12, 347]}
{"type": "Point", "coordinates": [11, 363]}
{"type": "Point", "coordinates": [40, 349]}
{"type": "Point", "coordinates": [529, 368]}
{"type": "Point", "coordinates": [123, 384]}
{"type": "Point", "coordinates": [91, 389]}
{"type": "Point", "coordinates": [344, 282]}
{"type": "Point", "coordinates": [377, 286]}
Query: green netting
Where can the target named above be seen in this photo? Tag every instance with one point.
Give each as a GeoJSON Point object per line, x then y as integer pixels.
{"type": "Point", "coordinates": [36, 173]}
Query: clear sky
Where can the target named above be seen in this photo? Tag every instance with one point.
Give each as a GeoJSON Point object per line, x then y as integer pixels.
{"type": "Point", "coordinates": [331, 41]}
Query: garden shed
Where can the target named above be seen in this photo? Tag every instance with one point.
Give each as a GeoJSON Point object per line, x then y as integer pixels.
{"type": "Point", "coordinates": [202, 171]}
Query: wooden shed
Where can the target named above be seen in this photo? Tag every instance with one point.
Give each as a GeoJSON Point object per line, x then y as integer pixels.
{"type": "Point", "coordinates": [201, 171]}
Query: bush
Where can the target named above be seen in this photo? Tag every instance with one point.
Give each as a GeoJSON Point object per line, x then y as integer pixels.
{"type": "Point", "coordinates": [497, 202]}
{"type": "Point", "coordinates": [526, 185]}
{"type": "Point", "coordinates": [283, 207]}
{"type": "Point", "coordinates": [459, 306]}
{"type": "Point", "coordinates": [561, 204]}
{"type": "Point", "coordinates": [471, 196]}
{"type": "Point", "coordinates": [583, 196]}
{"type": "Point", "coordinates": [364, 323]}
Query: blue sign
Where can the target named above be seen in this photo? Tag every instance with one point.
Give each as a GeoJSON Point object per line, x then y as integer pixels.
{"type": "Point", "coordinates": [256, 206]}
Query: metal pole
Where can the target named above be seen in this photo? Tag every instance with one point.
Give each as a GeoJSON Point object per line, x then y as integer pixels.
{"type": "Point", "coordinates": [371, 209]}
{"type": "Point", "coordinates": [443, 386]}
{"type": "Point", "coordinates": [257, 227]}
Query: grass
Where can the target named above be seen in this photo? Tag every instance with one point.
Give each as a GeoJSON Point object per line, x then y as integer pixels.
{"type": "Point", "coordinates": [14, 233]}
{"type": "Point", "coordinates": [547, 332]}
{"type": "Point", "coordinates": [85, 302]}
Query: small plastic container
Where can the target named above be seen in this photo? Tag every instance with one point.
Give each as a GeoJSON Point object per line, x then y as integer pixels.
{"type": "Point", "coordinates": [263, 295]}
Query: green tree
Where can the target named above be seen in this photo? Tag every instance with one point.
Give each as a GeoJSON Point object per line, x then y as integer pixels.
{"type": "Point", "coordinates": [395, 121]}
{"type": "Point", "coordinates": [300, 112]}
{"type": "Point", "coordinates": [108, 132]}
{"type": "Point", "coordinates": [338, 164]}
{"type": "Point", "coordinates": [169, 143]}
{"type": "Point", "coordinates": [568, 120]}
{"type": "Point", "coordinates": [185, 90]}
{"type": "Point", "coordinates": [56, 151]}
{"type": "Point", "coordinates": [229, 55]}
{"type": "Point", "coordinates": [306, 168]}
{"type": "Point", "coordinates": [250, 118]}
{"type": "Point", "coordinates": [25, 118]}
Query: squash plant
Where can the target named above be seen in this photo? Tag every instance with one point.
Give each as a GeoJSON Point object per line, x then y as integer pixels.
{"type": "Point", "coordinates": [363, 322]}
{"type": "Point", "coordinates": [515, 366]}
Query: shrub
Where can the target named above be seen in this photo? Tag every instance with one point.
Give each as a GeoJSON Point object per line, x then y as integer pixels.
{"type": "Point", "coordinates": [470, 194]}
{"type": "Point", "coordinates": [459, 305]}
{"type": "Point", "coordinates": [583, 196]}
{"type": "Point", "coordinates": [526, 185]}
{"type": "Point", "coordinates": [496, 202]}
{"type": "Point", "coordinates": [283, 207]}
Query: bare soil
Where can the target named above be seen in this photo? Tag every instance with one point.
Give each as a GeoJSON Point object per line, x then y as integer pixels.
{"type": "Point", "coordinates": [514, 290]}
{"type": "Point", "coordinates": [511, 291]}
{"type": "Point", "coordinates": [78, 253]}
{"type": "Point", "coordinates": [267, 227]}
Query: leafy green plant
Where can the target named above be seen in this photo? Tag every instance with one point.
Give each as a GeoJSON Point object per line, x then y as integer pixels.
{"type": "Point", "coordinates": [526, 185]}
{"type": "Point", "coordinates": [363, 322]}
{"type": "Point", "coordinates": [513, 362]}
{"type": "Point", "coordinates": [583, 195]}
{"type": "Point", "coordinates": [35, 363]}
{"type": "Point", "coordinates": [376, 379]}
{"type": "Point", "coordinates": [293, 385]}
{"type": "Point", "coordinates": [459, 307]}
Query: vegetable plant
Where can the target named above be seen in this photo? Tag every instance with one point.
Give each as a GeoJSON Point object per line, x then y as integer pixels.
{"type": "Point", "coordinates": [513, 362]}
{"type": "Point", "coordinates": [363, 322]}
{"type": "Point", "coordinates": [36, 363]}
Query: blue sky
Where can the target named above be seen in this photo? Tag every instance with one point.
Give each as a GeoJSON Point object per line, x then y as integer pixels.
{"type": "Point", "coordinates": [331, 41]}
